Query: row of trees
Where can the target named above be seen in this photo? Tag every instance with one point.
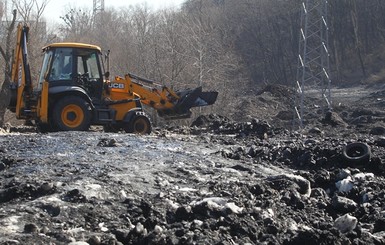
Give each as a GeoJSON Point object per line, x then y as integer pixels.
{"type": "Point", "coordinates": [230, 46]}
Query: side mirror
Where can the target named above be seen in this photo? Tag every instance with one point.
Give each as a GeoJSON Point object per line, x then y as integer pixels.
{"type": "Point", "coordinates": [107, 75]}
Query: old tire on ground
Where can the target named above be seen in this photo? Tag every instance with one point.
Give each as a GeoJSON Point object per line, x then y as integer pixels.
{"type": "Point", "coordinates": [356, 153]}
{"type": "Point", "coordinates": [72, 113]}
{"type": "Point", "coordinates": [139, 124]}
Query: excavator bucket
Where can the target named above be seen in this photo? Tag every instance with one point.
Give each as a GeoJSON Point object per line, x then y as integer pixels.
{"type": "Point", "coordinates": [188, 99]}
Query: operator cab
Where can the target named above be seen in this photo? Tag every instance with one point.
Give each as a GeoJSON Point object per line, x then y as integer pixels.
{"type": "Point", "coordinates": [73, 65]}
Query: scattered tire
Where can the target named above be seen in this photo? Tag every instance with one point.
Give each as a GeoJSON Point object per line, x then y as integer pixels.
{"type": "Point", "coordinates": [356, 153]}
{"type": "Point", "coordinates": [72, 113]}
{"type": "Point", "coordinates": [139, 124]}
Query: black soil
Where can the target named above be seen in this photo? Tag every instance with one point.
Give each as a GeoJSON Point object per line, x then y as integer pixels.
{"type": "Point", "coordinates": [216, 182]}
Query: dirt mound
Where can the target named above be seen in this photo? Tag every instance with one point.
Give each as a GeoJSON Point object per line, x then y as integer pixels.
{"type": "Point", "coordinates": [222, 125]}
{"type": "Point", "coordinates": [278, 91]}
{"type": "Point", "coordinates": [212, 121]}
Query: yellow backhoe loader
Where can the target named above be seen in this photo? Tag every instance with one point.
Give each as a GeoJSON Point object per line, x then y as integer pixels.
{"type": "Point", "coordinates": [73, 92]}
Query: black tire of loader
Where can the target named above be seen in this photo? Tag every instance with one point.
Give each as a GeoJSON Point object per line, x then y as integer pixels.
{"type": "Point", "coordinates": [356, 153]}
{"type": "Point", "coordinates": [81, 109]}
{"type": "Point", "coordinates": [139, 124]}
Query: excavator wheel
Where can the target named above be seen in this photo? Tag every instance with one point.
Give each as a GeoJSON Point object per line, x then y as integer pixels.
{"type": "Point", "coordinates": [139, 124]}
{"type": "Point", "coordinates": [72, 113]}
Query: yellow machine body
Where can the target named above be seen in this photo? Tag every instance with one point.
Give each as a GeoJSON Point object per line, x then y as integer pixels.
{"type": "Point", "coordinates": [74, 92]}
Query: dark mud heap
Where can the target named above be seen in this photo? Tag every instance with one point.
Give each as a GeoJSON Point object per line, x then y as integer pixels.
{"type": "Point", "coordinates": [216, 182]}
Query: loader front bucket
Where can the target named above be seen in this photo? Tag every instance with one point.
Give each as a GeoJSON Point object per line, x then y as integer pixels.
{"type": "Point", "coordinates": [188, 99]}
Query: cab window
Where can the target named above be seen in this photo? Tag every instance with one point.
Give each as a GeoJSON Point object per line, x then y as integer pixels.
{"type": "Point", "coordinates": [88, 64]}
{"type": "Point", "coordinates": [62, 65]}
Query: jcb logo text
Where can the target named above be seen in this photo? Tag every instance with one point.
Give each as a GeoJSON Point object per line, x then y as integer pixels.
{"type": "Point", "coordinates": [116, 85]}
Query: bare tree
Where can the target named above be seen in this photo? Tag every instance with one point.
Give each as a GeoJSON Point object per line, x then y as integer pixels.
{"type": "Point", "coordinates": [169, 48]}
{"type": "Point", "coordinates": [357, 40]}
{"type": "Point", "coordinates": [30, 10]}
{"type": "Point", "coordinates": [6, 53]}
{"type": "Point", "coordinates": [24, 8]}
{"type": "Point", "coordinates": [77, 25]}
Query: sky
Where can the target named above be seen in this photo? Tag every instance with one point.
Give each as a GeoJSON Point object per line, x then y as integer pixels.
{"type": "Point", "coordinates": [56, 8]}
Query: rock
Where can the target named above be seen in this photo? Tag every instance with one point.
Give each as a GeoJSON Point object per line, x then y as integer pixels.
{"type": "Point", "coordinates": [302, 184]}
{"type": "Point", "coordinates": [294, 199]}
{"type": "Point", "coordinates": [107, 143]}
{"type": "Point", "coordinates": [333, 119]}
{"type": "Point", "coordinates": [78, 243]}
{"type": "Point", "coordinates": [258, 189]}
{"type": "Point", "coordinates": [346, 223]}
{"type": "Point", "coordinates": [183, 213]}
{"type": "Point", "coordinates": [31, 228]}
{"type": "Point", "coordinates": [303, 237]}
{"type": "Point", "coordinates": [44, 230]}
{"type": "Point", "coordinates": [322, 178]}
{"type": "Point", "coordinates": [121, 234]}
{"type": "Point", "coordinates": [379, 225]}
{"type": "Point", "coordinates": [52, 210]}
{"type": "Point", "coordinates": [10, 242]}
{"type": "Point", "coordinates": [315, 131]}
{"type": "Point", "coordinates": [212, 121]}
{"type": "Point", "coordinates": [233, 208]}
{"type": "Point", "coordinates": [377, 131]}
{"type": "Point", "coordinates": [158, 230]}
{"type": "Point", "coordinates": [46, 188]}
{"type": "Point", "coordinates": [343, 204]}
{"type": "Point", "coordinates": [2, 166]}
{"type": "Point", "coordinates": [252, 151]}
{"type": "Point", "coordinates": [345, 185]}
{"type": "Point", "coordinates": [344, 173]}
{"type": "Point", "coordinates": [94, 240]}
{"type": "Point", "coordinates": [306, 158]}
{"type": "Point", "coordinates": [75, 195]}
{"type": "Point", "coordinates": [363, 176]}
{"type": "Point", "coordinates": [197, 223]}
{"type": "Point", "coordinates": [380, 142]}
{"type": "Point", "coordinates": [139, 229]}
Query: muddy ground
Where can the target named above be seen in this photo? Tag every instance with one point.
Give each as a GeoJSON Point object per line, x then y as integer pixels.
{"type": "Point", "coordinates": [216, 182]}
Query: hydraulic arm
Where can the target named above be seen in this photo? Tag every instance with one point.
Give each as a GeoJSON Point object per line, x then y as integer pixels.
{"type": "Point", "coordinates": [168, 103]}
{"type": "Point", "coordinates": [21, 82]}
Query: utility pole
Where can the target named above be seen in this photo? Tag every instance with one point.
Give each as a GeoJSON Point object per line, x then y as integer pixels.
{"type": "Point", "coordinates": [98, 6]}
{"type": "Point", "coordinates": [313, 71]}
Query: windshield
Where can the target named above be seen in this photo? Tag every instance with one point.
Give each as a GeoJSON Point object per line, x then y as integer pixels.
{"type": "Point", "coordinates": [44, 67]}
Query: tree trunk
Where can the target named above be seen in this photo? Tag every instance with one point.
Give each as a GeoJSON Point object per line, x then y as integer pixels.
{"type": "Point", "coordinates": [5, 93]}
{"type": "Point", "coordinates": [357, 38]}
